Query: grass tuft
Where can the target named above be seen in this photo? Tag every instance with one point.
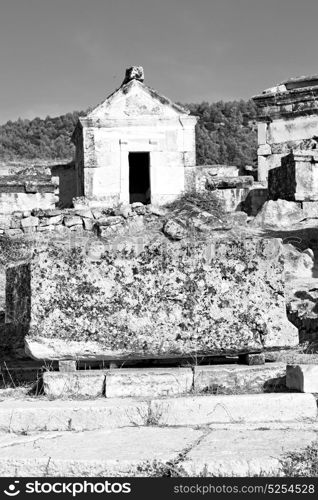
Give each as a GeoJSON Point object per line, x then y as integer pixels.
{"type": "Point", "coordinates": [189, 203]}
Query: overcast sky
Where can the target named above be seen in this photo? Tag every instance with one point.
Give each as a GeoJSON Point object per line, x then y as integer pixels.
{"type": "Point", "coordinates": [64, 55]}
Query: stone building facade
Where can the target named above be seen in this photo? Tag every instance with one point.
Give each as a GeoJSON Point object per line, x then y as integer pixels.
{"type": "Point", "coordinates": [287, 121]}
{"type": "Point", "coordinates": [134, 146]}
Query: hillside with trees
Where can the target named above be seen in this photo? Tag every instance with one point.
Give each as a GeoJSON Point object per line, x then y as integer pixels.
{"type": "Point", "coordinates": [225, 134]}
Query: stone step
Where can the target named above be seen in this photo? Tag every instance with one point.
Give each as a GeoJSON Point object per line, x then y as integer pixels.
{"type": "Point", "coordinates": [149, 451]}
{"type": "Point", "coordinates": [157, 382]}
{"type": "Point", "coordinates": [25, 416]}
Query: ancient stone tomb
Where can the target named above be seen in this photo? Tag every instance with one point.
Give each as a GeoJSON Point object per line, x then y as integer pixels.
{"type": "Point", "coordinates": [287, 121]}
{"type": "Point", "coordinates": [134, 146]}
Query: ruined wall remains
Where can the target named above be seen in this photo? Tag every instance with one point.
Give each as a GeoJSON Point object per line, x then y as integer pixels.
{"type": "Point", "coordinates": [236, 193]}
{"type": "Point", "coordinates": [39, 222]}
{"type": "Point", "coordinates": [28, 188]}
{"type": "Point", "coordinates": [287, 121]}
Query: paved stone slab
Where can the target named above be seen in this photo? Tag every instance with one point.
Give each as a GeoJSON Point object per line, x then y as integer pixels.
{"type": "Point", "coordinates": [92, 453]}
{"type": "Point", "coordinates": [302, 378]}
{"type": "Point", "coordinates": [243, 452]}
{"type": "Point", "coordinates": [26, 416]}
{"type": "Point", "coordinates": [238, 378]}
{"type": "Point", "coordinates": [219, 452]}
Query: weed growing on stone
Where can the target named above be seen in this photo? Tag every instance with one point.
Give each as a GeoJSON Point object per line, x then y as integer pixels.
{"type": "Point", "coordinates": [302, 463]}
{"type": "Point", "coordinates": [188, 203]}
{"type": "Point", "coordinates": [150, 416]}
{"type": "Point", "coordinates": [157, 468]}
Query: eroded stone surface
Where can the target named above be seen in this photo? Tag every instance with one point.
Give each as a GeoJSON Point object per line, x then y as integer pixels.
{"type": "Point", "coordinates": [279, 213]}
{"type": "Point", "coordinates": [296, 178]}
{"type": "Point", "coordinates": [167, 301]}
{"type": "Point", "coordinates": [241, 408]}
{"type": "Point", "coordinates": [239, 378]}
{"type": "Point", "coordinates": [82, 383]}
{"type": "Point", "coordinates": [134, 451]}
{"type": "Point", "coordinates": [148, 382]}
{"type": "Point", "coordinates": [242, 453]}
{"type": "Point", "coordinates": [93, 452]}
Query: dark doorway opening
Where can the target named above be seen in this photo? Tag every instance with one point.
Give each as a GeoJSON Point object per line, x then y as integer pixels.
{"type": "Point", "coordinates": [139, 178]}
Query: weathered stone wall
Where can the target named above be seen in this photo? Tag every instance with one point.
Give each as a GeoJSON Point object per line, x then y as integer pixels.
{"type": "Point", "coordinates": [24, 187]}
{"type": "Point", "coordinates": [40, 221]}
{"type": "Point", "coordinates": [28, 188]}
{"type": "Point", "coordinates": [176, 299]}
{"type": "Point", "coordinates": [288, 121]}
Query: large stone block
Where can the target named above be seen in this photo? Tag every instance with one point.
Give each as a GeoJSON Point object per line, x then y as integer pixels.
{"type": "Point", "coordinates": [296, 178]}
{"type": "Point", "coordinates": [233, 378]}
{"type": "Point", "coordinates": [232, 199]}
{"type": "Point", "coordinates": [29, 222]}
{"type": "Point", "coordinates": [303, 378]}
{"type": "Point", "coordinates": [160, 303]}
{"type": "Point", "coordinates": [84, 383]}
{"type": "Point", "coordinates": [9, 202]}
{"type": "Point", "coordinates": [279, 213]}
{"type": "Point", "coordinates": [72, 220]}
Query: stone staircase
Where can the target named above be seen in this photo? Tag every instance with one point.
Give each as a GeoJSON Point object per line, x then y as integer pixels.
{"type": "Point", "coordinates": [188, 435]}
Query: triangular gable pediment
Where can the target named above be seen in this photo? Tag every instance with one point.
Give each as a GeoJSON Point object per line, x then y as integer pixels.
{"type": "Point", "coordinates": [135, 99]}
